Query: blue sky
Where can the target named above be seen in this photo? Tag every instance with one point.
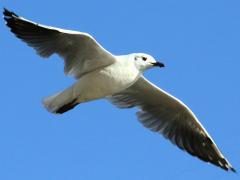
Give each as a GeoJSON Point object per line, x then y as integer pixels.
{"type": "Point", "coordinates": [197, 40]}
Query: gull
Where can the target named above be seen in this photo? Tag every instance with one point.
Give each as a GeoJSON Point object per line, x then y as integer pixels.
{"type": "Point", "coordinates": [119, 79]}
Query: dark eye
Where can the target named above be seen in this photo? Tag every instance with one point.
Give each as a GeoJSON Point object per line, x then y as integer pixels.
{"type": "Point", "coordinates": [144, 58]}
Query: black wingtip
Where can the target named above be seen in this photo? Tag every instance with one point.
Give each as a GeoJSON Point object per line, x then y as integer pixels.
{"type": "Point", "coordinates": [5, 11]}
{"type": "Point", "coordinates": [8, 14]}
{"type": "Point", "coordinates": [233, 170]}
{"type": "Point", "coordinates": [9, 17]}
{"type": "Point", "coordinates": [223, 163]}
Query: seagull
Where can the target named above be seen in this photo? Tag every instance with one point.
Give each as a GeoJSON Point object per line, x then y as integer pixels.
{"type": "Point", "coordinates": [119, 79]}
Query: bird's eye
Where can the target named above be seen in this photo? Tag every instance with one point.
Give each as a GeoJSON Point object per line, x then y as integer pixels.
{"type": "Point", "coordinates": [144, 58]}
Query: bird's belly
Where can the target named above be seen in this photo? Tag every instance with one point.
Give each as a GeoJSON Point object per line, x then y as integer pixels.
{"type": "Point", "coordinates": [105, 82]}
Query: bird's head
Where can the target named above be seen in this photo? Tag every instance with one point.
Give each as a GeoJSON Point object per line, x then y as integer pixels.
{"type": "Point", "coordinates": [145, 61]}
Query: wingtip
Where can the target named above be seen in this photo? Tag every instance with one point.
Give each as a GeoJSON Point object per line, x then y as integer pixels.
{"type": "Point", "coordinates": [232, 169]}
{"type": "Point", "coordinates": [8, 14]}
{"type": "Point", "coordinates": [226, 165]}
{"type": "Point", "coordinates": [229, 167]}
{"type": "Point", "coordinates": [9, 17]}
{"type": "Point", "coordinates": [5, 10]}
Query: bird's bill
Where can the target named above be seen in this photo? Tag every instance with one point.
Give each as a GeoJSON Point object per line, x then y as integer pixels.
{"type": "Point", "coordinates": [158, 64]}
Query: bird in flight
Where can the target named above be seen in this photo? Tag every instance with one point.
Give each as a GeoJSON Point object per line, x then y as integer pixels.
{"type": "Point", "coordinates": [119, 79]}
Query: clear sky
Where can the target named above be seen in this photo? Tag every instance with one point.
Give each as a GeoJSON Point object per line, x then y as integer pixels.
{"type": "Point", "coordinates": [197, 40]}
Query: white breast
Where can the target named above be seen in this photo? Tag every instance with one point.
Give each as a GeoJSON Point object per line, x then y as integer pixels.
{"type": "Point", "coordinates": [107, 81]}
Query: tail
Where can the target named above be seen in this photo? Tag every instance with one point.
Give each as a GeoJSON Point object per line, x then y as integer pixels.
{"type": "Point", "coordinates": [60, 102]}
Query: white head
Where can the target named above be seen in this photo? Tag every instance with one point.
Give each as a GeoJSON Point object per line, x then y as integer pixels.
{"type": "Point", "coordinates": [145, 61]}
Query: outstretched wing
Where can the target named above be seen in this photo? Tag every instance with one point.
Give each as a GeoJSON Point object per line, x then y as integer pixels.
{"type": "Point", "coordinates": [80, 51]}
{"type": "Point", "coordinates": [161, 112]}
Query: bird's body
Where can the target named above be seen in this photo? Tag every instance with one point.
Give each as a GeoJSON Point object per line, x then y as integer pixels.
{"type": "Point", "coordinates": [97, 84]}
{"type": "Point", "coordinates": [100, 74]}
{"type": "Point", "coordinates": [109, 80]}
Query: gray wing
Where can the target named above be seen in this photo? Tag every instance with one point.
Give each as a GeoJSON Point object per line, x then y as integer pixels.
{"type": "Point", "coordinates": [80, 51]}
{"type": "Point", "coordinates": [162, 113]}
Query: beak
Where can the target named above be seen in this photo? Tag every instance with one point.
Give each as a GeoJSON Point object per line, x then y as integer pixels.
{"type": "Point", "coordinates": [159, 64]}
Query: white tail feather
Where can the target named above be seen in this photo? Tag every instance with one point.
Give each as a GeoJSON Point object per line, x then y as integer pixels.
{"type": "Point", "coordinates": [51, 104]}
{"type": "Point", "coordinates": [56, 102]}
